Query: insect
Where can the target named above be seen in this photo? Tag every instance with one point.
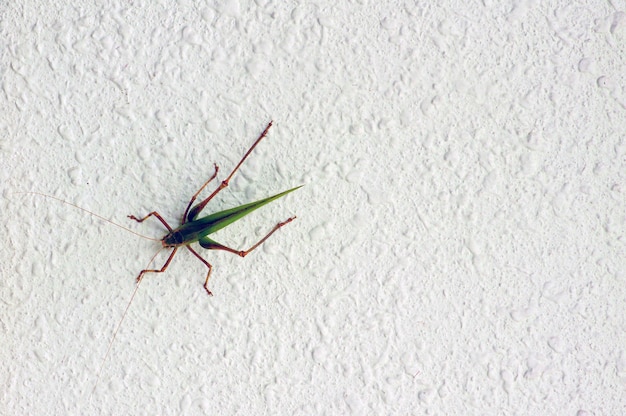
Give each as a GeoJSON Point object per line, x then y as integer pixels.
{"type": "Point", "coordinates": [193, 229]}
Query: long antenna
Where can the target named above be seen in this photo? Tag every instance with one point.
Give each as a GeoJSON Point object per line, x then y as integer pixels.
{"type": "Point", "coordinates": [119, 325]}
{"type": "Point", "coordinates": [88, 212]}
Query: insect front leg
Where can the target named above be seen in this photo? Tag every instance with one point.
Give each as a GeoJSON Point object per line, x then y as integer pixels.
{"type": "Point", "coordinates": [280, 224]}
{"type": "Point", "coordinates": [153, 213]}
{"type": "Point", "coordinates": [167, 263]}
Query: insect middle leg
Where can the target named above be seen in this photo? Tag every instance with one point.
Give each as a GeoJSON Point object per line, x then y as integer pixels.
{"type": "Point", "coordinates": [207, 264]}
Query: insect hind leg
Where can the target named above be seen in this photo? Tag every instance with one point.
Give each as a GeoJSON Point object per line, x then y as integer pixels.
{"type": "Point", "coordinates": [198, 208]}
{"type": "Point", "coordinates": [209, 244]}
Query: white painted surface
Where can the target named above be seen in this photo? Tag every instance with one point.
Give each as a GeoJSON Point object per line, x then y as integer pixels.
{"type": "Point", "coordinates": [460, 243]}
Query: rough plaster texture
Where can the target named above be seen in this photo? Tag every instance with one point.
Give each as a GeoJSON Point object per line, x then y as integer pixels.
{"type": "Point", "coordinates": [460, 243]}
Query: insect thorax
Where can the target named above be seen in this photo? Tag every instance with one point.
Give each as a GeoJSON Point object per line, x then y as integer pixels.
{"type": "Point", "coordinates": [173, 239]}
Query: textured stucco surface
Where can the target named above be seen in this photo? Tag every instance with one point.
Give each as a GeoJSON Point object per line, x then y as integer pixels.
{"type": "Point", "coordinates": [460, 245]}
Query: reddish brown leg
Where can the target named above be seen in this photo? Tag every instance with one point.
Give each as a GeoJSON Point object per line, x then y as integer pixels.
{"type": "Point", "coordinates": [207, 264]}
{"type": "Point", "coordinates": [244, 253]}
{"type": "Point", "coordinates": [196, 210]}
{"type": "Point", "coordinates": [193, 198]}
{"type": "Point", "coordinates": [153, 213]}
{"type": "Point", "coordinates": [167, 263]}
{"type": "Point", "coordinates": [280, 224]}
{"type": "Point", "coordinates": [212, 245]}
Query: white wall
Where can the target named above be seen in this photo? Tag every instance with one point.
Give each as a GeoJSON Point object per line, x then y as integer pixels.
{"type": "Point", "coordinates": [460, 241]}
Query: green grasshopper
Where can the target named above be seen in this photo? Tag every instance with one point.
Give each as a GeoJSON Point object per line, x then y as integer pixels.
{"type": "Point", "coordinates": [194, 229]}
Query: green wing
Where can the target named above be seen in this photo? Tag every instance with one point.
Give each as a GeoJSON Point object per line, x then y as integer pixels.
{"type": "Point", "coordinates": [214, 222]}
